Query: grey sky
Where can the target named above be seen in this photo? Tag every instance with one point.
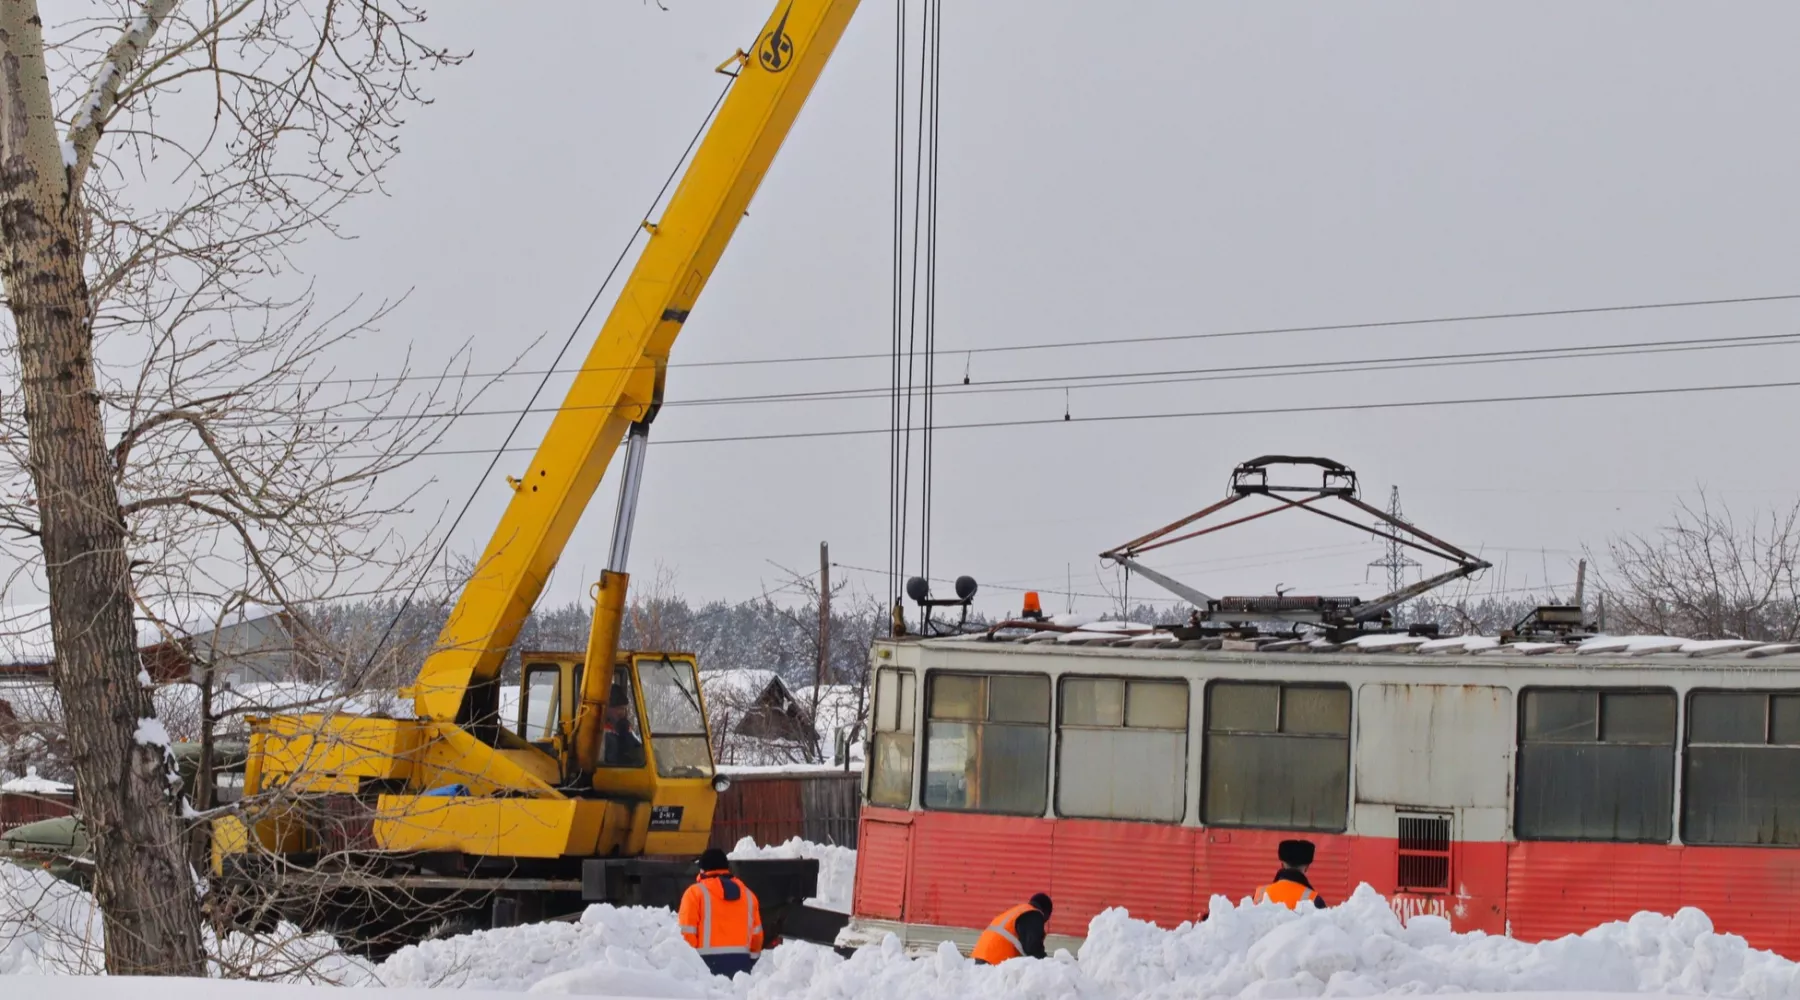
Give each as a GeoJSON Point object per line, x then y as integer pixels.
{"type": "Point", "coordinates": [1137, 169]}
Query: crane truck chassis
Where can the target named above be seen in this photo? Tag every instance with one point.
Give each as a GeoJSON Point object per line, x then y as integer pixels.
{"type": "Point", "coordinates": [602, 788]}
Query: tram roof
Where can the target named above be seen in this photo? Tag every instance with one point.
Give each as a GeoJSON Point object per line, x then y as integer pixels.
{"type": "Point", "coordinates": [1125, 638]}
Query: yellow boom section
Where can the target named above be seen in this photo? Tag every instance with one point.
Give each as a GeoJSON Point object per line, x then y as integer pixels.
{"type": "Point", "coordinates": [621, 377]}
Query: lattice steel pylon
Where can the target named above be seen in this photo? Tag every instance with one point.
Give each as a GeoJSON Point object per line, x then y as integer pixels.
{"type": "Point", "coordinates": [1395, 561]}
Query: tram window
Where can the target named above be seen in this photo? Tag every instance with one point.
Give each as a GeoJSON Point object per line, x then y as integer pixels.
{"type": "Point", "coordinates": [1122, 749]}
{"type": "Point", "coordinates": [1596, 765]}
{"type": "Point", "coordinates": [1742, 781]}
{"type": "Point", "coordinates": [1277, 755]}
{"type": "Point", "coordinates": [891, 782]}
{"type": "Point", "coordinates": [987, 743]}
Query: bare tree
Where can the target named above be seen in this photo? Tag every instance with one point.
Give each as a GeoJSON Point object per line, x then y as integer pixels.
{"type": "Point", "coordinates": [158, 164]}
{"type": "Point", "coordinates": [1709, 574]}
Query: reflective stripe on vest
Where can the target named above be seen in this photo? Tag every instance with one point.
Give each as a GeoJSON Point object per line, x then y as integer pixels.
{"type": "Point", "coordinates": [1001, 941]}
{"type": "Point", "coordinates": [751, 927]}
{"type": "Point", "coordinates": [1288, 894]}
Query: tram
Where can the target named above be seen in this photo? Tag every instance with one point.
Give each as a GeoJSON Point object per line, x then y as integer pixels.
{"type": "Point", "coordinates": [1529, 788]}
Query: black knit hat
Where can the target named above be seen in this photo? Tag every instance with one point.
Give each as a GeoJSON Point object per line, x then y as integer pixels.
{"type": "Point", "coordinates": [1295, 852]}
{"type": "Point", "coordinates": [1041, 903]}
{"type": "Point", "coordinates": [713, 859]}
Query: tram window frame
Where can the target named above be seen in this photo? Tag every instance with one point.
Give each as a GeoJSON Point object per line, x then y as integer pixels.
{"type": "Point", "coordinates": [1227, 739]}
{"type": "Point", "coordinates": [894, 726]}
{"type": "Point", "coordinates": [985, 721]}
{"type": "Point", "coordinates": [1125, 745]}
{"type": "Point", "coordinates": [1611, 751]}
{"type": "Point", "coordinates": [1769, 762]}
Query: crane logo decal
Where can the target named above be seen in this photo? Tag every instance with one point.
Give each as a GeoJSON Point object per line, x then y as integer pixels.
{"type": "Point", "coordinates": [777, 49]}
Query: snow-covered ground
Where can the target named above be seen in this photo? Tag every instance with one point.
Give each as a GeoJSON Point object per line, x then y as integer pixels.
{"type": "Point", "coordinates": [1358, 948]}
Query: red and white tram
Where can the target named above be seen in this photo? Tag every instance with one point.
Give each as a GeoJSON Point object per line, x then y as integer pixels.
{"type": "Point", "coordinates": [1532, 789]}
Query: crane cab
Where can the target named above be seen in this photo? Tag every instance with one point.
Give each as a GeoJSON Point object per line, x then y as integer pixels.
{"type": "Point", "coordinates": [655, 757]}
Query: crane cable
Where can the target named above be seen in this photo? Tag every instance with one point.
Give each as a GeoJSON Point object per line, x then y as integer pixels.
{"type": "Point", "coordinates": [913, 379]}
{"type": "Point", "coordinates": [641, 227]}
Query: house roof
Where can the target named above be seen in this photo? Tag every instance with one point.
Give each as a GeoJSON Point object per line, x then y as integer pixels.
{"type": "Point", "coordinates": [740, 686]}
{"type": "Point", "coordinates": [25, 639]}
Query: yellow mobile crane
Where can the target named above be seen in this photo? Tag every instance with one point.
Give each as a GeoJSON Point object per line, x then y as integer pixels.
{"type": "Point", "coordinates": [604, 788]}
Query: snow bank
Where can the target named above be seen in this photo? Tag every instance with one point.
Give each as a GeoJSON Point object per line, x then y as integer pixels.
{"type": "Point", "coordinates": [837, 868]}
{"type": "Point", "coordinates": [631, 951]}
{"type": "Point", "coordinates": [50, 927]}
{"type": "Point", "coordinates": [1255, 952]}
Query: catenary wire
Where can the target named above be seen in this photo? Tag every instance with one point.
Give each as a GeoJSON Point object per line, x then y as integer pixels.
{"type": "Point", "coordinates": [1104, 341]}
{"type": "Point", "coordinates": [1198, 414]}
{"type": "Point", "coordinates": [1154, 377]}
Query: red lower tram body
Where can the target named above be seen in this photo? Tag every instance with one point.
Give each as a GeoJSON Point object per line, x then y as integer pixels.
{"type": "Point", "coordinates": [949, 870]}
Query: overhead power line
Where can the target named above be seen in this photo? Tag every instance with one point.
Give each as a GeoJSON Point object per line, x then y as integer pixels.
{"type": "Point", "coordinates": [1107, 341]}
{"type": "Point", "coordinates": [1229, 373]}
{"type": "Point", "coordinates": [1196, 414]}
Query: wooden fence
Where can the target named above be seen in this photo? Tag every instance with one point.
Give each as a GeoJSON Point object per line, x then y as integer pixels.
{"type": "Point", "coordinates": [820, 806]}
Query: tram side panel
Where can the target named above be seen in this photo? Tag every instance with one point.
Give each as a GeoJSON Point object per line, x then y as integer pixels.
{"type": "Point", "coordinates": [1433, 797]}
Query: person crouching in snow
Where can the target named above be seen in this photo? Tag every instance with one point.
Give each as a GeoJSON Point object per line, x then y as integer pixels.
{"type": "Point", "coordinates": [721, 918]}
{"type": "Point", "coordinates": [1290, 887]}
{"type": "Point", "coordinates": [1019, 932]}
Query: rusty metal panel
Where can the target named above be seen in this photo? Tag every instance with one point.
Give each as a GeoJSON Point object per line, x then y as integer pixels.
{"type": "Point", "coordinates": [1147, 868]}
{"type": "Point", "coordinates": [1415, 745]}
{"type": "Point", "coordinates": [1749, 891]}
{"type": "Point", "coordinates": [18, 809]}
{"type": "Point", "coordinates": [882, 864]}
{"type": "Point", "coordinates": [765, 809]}
{"type": "Point", "coordinates": [1563, 887]}
{"type": "Point", "coordinates": [968, 867]}
{"type": "Point", "coordinates": [829, 805]}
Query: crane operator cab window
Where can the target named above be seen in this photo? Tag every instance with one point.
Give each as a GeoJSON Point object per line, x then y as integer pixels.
{"type": "Point", "coordinates": [622, 745]}
{"type": "Point", "coordinates": [541, 715]}
{"type": "Point", "coordinates": [678, 738]}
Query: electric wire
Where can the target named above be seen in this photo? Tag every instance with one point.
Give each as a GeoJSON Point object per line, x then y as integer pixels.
{"type": "Point", "coordinates": [1101, 341]}
{"type": "Point", "coordinates": [1198, 414]}
{"type": "Point", "coordinates": [574, 331]}
{"type": "Point", "coordinates": [1151, 377]}
{"type": "Point", "coordinates": [1093, 342]}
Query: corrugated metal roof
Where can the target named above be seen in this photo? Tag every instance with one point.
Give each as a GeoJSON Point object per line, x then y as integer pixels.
{"type": "Point", "coordinates": [1125, 636]}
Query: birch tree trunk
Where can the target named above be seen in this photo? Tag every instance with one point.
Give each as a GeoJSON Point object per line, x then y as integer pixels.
{"type": "Point", "coordinates": [142, 882]}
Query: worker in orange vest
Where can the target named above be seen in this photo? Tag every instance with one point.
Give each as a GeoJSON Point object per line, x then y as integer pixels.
{"type": "Point", "coordinates": [720, 917]}
{"type": "Point", "coordinates": [1290, 887]}
{"type": "Point", "coordinates": [1018, 931]}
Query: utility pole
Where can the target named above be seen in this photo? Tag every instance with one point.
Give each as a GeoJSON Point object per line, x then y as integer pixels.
{"type": "Point", "coordinates": [1396, 561]}
{"type": "Point", "coordinates": [1580, 582]}
{"type": "Point", "coordinates": [824, 616]}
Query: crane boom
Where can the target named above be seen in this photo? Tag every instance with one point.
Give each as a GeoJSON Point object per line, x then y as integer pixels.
{"type": "Point", "coordinates": [620, 381]}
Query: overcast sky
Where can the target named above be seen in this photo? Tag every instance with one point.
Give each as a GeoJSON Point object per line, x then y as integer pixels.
{"type": "Point", "coordinates": [1128, 170]}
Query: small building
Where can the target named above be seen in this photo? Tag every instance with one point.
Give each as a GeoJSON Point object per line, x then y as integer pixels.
{"type": "Point", "coordinates": [753, 705]}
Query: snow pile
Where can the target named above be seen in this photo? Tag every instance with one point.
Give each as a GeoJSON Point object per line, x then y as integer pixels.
{"type": "Point", "coordinates": [50, 927]}
{"type": "Point", "coordinates": [837, 868]}
{"type": "Point", "coordinates": [1361, 949]}
{"type": "Point", "coordinates": [46, 925]}
{"type": "Point", "coordinates": [632, 951]}
{"type": "Point", "coordinates": [1357, 949]}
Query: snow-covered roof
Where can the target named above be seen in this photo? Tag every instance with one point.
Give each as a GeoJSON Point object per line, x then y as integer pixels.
{"type": "Point", "coordinates": [840, 706]}
{"type": "Point", "coordinates": [1125, 635]}
{"type": "Point", "coordinates": [738, 685]}
{"type": "Point", "coordinates": [25, 628]}
{"type": "Point", "coordinates": [32, 784]}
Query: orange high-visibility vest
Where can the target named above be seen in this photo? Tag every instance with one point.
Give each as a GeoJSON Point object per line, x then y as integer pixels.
{"type": "Point", "coordinates": [1288, 894]}
{"type": "Point", "coordinates": [714, 925]}
{"type": "Point", "coordinates": [1001, 940]}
